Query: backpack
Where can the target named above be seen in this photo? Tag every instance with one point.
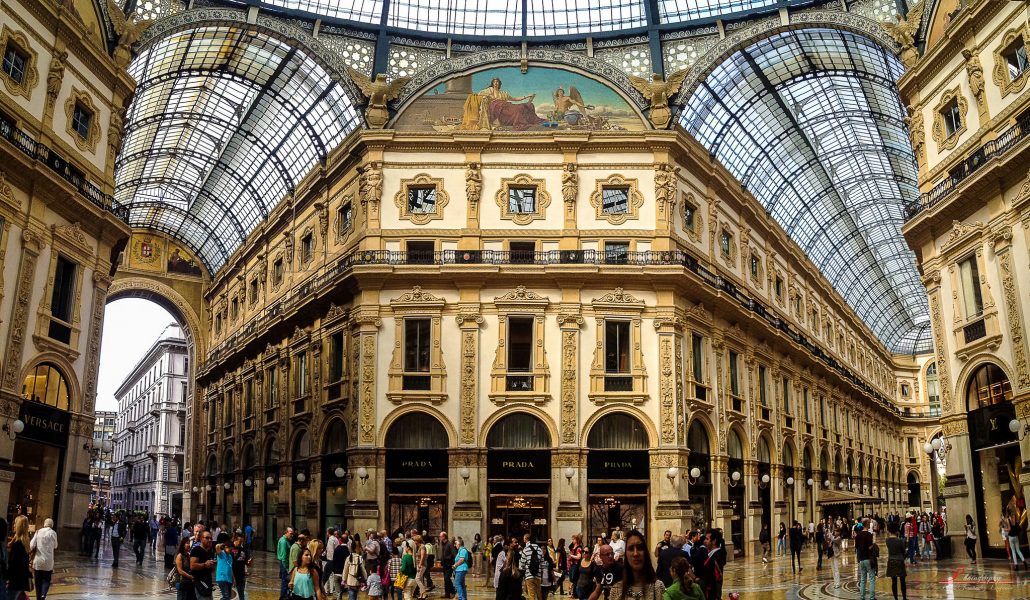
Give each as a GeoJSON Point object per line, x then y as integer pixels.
{"type": "Point", "coordinates": [534, 561]}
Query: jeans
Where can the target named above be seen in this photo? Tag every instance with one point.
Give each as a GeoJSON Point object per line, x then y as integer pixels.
{"type": "Point", "coordinates": [913, 548]}
{"type": "Point", "coordinates": [765, 549]}
{"type": "Point", "coordinates": [459, 585]}
{"type": "Point", "coordinates": [139, 546]}
{"type": "Point", "coordinates": [181, 594]}
{"type": "Point", "coordinates": [284, 582]}
{"type": "Point", "coordinates": [201, 596]}
{"type": "Point", "coordinates": [116, 549]}
{"type": "Point", "coordinates": [226, 588]}
{"type": "Point", "coordinates": [795, 554]}
{"type": "Point", "coordinates": [866, 573]}
{"type": "Point", "coordinates": [42, 579]}
{"type": "Point", "coordinates": [448, 586]}
{"type": "Point", "coordinates": [1014, 547]}
{"type": "Point", "coordinates": [926, 549]}
{"type": "Point", "coordinates": [971, 548]}
{"type": "Point", "coordinates": [420, 582]}
{"type": "Point", "coordinates": [352, 593]}
{"type": "Point", "coordinates": [781, 546]}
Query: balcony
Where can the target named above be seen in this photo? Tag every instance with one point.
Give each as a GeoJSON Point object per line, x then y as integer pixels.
{"type": "Point", "coordinates": [21, 140]}
{"type": "Point", "coordinates": [417, 383]}
{"type": "Point", "coordinates": [973, 163]}
{"type": "Point", "coordinates": [518, 383]}
{"type": "Point", "coordinates": [330, 277]}
{"type": "Point", "coordinates": [975, 330]}
{"type": "Point", "coordinates": [618, 383]}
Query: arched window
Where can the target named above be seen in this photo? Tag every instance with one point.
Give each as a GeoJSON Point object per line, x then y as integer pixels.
{"type": "Point", "coordinates": [735, 446]}
{"type": "Point", "coordinates": [933, 390]}
{"type": "Point", "coordinates": [617, 431]}
{"type": "Point", "coordinates": [697, 439]}
{"type": "Point", "coordinates": [46, 384]}
{"type": "Point", "coordinates": [301, 447]}
{"type": "Point", "coordinates": [764, 455]}
{"type": "Point", "coordinates": [988, 386]}
{"type": "Point", "coordinates": [416, 431]}
{"type": "Point", "coordinates": [272, 456]}
{"type": "Point", "coordinates": [335, 440]}
{"type": "Point", "coordinates": [519, 430]}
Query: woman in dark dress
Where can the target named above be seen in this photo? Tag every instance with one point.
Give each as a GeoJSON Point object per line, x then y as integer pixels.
{"type": "Point", "coordinates": [896, 561]}
{"type": "Point", "coordinates": [18, 574]}
{"type": "Point", "coordinates": [509, 585]}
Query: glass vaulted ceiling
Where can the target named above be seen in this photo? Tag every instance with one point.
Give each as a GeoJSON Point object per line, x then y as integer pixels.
{"type": "Point", "coordinates": [810, 121]}
{"type": "Point", "coordinates": [223, 125]}
{"type": "Point", "coordinates": [508, 18]}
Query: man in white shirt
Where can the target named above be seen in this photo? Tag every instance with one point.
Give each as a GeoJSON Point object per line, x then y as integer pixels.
{"type": "Point", "coordinates": [618, 545]}
{"type": "Point", "coordinates": [331, 542]}
{"type": "Point", "coordinates": [44, 543]}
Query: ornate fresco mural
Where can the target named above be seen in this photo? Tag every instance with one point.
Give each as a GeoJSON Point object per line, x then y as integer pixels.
{"type": "Point", "coordinates": [157, 254]}
{"type": "Point", "coordinates": [505, 99]}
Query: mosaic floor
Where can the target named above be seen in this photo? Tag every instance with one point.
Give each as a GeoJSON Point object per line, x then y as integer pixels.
{"type": "Point", "coordinates": [88, 579]}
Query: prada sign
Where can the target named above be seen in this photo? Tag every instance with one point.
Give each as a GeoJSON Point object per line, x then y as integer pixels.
{"type": "Point", "coordinates": [618, 464]}
{"type": "Point", "coordinates": [44, 424]}
{"type": "Point", "coordinates": [519, 464]}
{"type": "Point", "coordinates": [416, 464]}
{"type": "Point", "coordinates": [989, 426]}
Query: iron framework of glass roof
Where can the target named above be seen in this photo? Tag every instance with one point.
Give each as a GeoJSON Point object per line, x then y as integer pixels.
{"type": "Point", "coordinates": [527, 18]}
{"type": "Point", "coordinates": [224, 124]}
{"type": "Point", "coordinates": [811, 123]}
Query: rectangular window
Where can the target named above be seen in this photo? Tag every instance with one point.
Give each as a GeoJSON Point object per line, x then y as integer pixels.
{"type": "Point", "coordinates": [300, 364]}
{"type": "Point", "coordinates": [14, 62]}
{"type": "Point", "coordinates": [689, 216]}
{"type": "Point", "coordinates": [970, 281]}
{"type": "Point", "coordinates": [248, 398]}
{"type": "Point", "coordinates": [272, 393]}
{"type": "Point", "coordinates": [277, 271]}
{"type": "Point", "coordinates": [520, 344]}
{"type": "Point", "coordinates": [910, 445]}
{"type": "Point", "coordinates": [521, 200]}
{"type": "Point", "coordinates": [337, 353]}
{"type": "Point", "coordinates": [763, 386]}
{"type": "Point", "coordinates": [82, 118]}
{"type": "Point", "coordinates": [725, 244]}
{"type": "Point", "coordinates": [697, 356]}
{"type": "Point", "coordinates": [522, 252]}
{"type": "Point", "coordinates": [62, 299]}
{"type": "Point", "coordinates": [952, 118]}
{"type": "Point", "coordinates": [616, 253]}
{"type": "Point", "coordinates": [234, 309]}
{"type": "Point", "coordinates": [779, 288]}
{"type": "Point", "coordinates": [786, 396]}
{"type": "Point", "coordinates": [904, 390]}
{"type": "Point", "coordinates": [754, 267]}
{"type": "Point", "coordinates": [1015, 58]}
{"type": "Point", "coordinates": [734, 375]}
{"type": "Point", "coordinates": [616, 346]}
{"type": "Point", "coordinates": [253, 291]}
{"type": "Point", "coordinates": [307, 248]}
{"type": "Point", "coordinates": [344, 218]}
{"type": "Point", "coordinates": [422, 199]}
{"type": "Point", "coordinates": [421, 252]}
{"type": "Point", "coordinates": [417, 340]}
{"type": "Point", "coordinates": [614, 200]}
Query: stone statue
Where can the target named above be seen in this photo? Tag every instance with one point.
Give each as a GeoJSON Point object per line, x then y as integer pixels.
{"type": "Point", "coordinates": [379, 92]}
{"type": "Point", "coordinates": [55, 76]}
{"type": "Point", "coordinates": [473, 183]}
{"type": "Point", "coordinates": [916, 131]}
{"type": "Point", "coordinates": [904, 33]}
{"type": "Point", "coordinates": [665, 185]}
{"type": "Point", "coordinates": [128, 29]}
{"type": "Point", "coordinates": [569, 183]}
{"type": "Point", "coordinates": [658, 91]}
{"type": "Point", "coordinates": [975, 72]}
{"type": "Point", "coordinates": [371, 187]}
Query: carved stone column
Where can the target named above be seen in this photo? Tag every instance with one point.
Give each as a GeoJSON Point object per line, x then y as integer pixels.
{"type": "Point", "coordinates": [469, 320]}
{"type": "Point", "coordinates": [1013, 314]}
{"type": "Point", "coordinates": [569, 322]}
{"type": "Point", "coordinates": [32, 244]}
{"type": "Point", "coordinates": [366, 322]}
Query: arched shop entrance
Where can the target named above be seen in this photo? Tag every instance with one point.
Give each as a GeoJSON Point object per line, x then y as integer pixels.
{"type": "Point", "coordinates": [737, 491]}
{"type": "Point", "coordinates": [996, 458]}
{"type": "Point", "coordinates": [416, 473]}
{"type": "Point", "coordinates": [271, 499]}
{"type": "Point", "coordinates": [334, 476]}
{"type": "Point", "coordinates": [39, 450]}
{"type": "Point", "coordinates": [301, 480]}
{"type": "Point", "coordinates": [913, 496]}
{"type": "Point", "coordinates": [700, 458]}
{"type": "Point", "coordinates": [518, 475]}
{"type": "Point", "coordinates": [618, 475]}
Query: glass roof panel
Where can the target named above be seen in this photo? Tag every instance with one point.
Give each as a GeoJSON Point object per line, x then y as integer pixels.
{"type": "Point", "coordinates": [810, 121]}
{"type": "Point", "coordinates": [506, 18]}
{"type": "Point", "coordinates": [223, 126]}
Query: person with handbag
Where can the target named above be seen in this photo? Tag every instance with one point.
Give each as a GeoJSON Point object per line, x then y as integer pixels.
{"type": "Point", "coordinates": [407, 577]}
{"type": "Point", "coordinates": [19, 570]}
{"type": "Point", "coordinates": [393, 570]}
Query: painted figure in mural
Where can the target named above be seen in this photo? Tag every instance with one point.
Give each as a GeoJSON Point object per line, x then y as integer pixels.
{"type": "Point", "coordinates": [494, 107]}
{"type": "Point", "coordinates": [570, 107]}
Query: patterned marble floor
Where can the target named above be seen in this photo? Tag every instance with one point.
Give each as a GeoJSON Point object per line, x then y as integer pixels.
{"type": "Point", "coordinates": [88, 579]}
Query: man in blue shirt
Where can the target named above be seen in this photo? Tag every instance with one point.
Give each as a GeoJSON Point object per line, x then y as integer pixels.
{"type": "Point", "coordinates": [248, 533]}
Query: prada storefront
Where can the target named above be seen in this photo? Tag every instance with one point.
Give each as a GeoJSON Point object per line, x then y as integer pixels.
{"type": "Point", "coordinates": [39, 449]}
{"type": "Point", "coordinates": [617, 475]}
{"type": "Point", "coordinates": [416, 474]}
{"type": "Point", "coordinates": [518, 471]}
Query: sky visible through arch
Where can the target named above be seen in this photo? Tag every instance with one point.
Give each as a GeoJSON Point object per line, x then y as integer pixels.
{"type": "Point", "coordinates": [131, 325]}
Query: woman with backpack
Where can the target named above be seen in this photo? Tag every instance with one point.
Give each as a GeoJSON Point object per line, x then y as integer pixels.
{"type": "Point", "coordinates": [353, 575]}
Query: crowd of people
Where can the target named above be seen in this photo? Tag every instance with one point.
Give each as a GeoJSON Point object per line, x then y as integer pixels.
{"type": "Point", "coordinates": [26, 562]}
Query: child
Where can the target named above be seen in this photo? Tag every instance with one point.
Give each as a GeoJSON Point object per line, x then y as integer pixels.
{"type": "Point", "coordinates": [375, 586]}
{"type": "Point", "coordinates": [223, 570]}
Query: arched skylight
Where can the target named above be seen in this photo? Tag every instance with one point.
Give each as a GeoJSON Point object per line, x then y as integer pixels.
{"type": "Point", "coordinates": [224, 124]}
{"type": "Point", "coordinates": [810, 121]}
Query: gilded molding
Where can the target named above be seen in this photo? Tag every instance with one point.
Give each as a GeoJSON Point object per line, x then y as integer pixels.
{"type": "Point", "coordinates": [633, 202]}
{"type": "Point", "coordinates": [569, 384]}
{"type": "Point", "coordinates": [939, 132]}
{"type": "Point", "coordinates": [541, 200]}
{"type": "Point", "coordinates": [368, 388]}
{"type": "Point", "coordinates": [667, 388]}
{"type": "Point", "coordinates": [20, 316]}
{"type": "Point", "coordinates": [31, 76]}
{"type": "Point", "coordinates": [1015, 319]}
{"type": "Point", "coordinates": [936, 321]}
{"type": "Point", "coordinates": [441, 198]}
{"type": "Point", "coordinates": [469, 397]}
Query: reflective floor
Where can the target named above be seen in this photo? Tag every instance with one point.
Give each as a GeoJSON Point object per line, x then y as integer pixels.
{"type": "Point", "coordinates": [80, 578]}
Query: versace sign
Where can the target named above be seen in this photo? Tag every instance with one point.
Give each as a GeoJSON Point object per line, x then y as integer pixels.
{"type": "Point", "coordinates": [44, 424]}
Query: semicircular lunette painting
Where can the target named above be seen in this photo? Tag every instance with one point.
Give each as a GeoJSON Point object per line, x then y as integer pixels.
{"type": "Point", "coordinates": [505, 99]}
